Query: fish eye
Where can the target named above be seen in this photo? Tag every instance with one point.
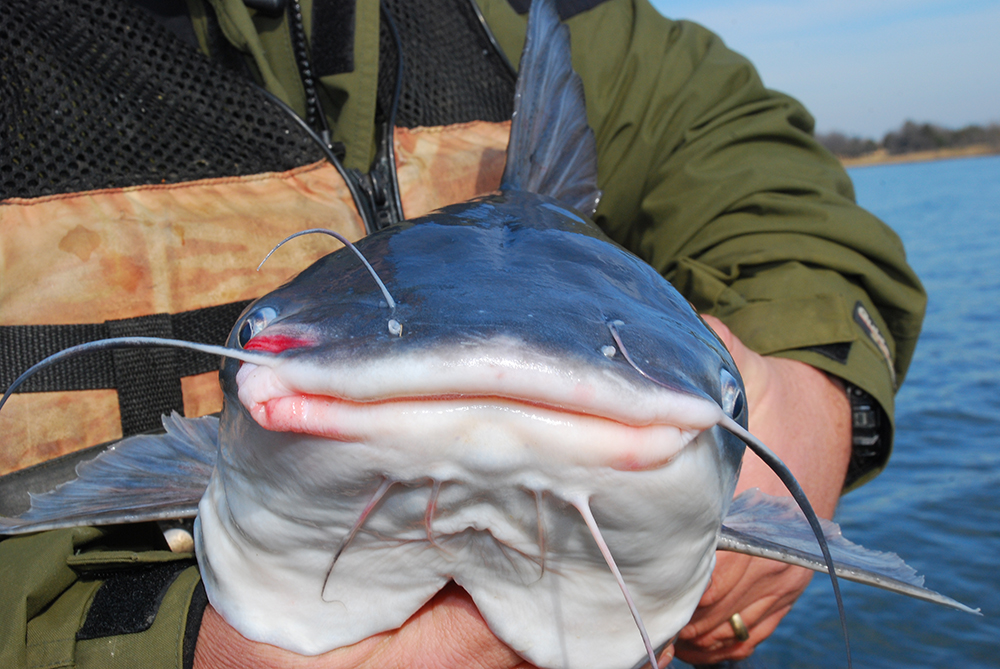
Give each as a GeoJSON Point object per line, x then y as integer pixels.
{"type": "Point", "coordinates": [733, 402]}
{"type": "Point", "coordinates": [254, 323]}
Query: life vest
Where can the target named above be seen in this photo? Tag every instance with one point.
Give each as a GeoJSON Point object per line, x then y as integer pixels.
{"type": "Point", "coordinates": [175, 259]}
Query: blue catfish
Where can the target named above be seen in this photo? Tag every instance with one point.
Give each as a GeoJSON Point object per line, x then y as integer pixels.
{"type": "Point", "coordinates": [494, 394]}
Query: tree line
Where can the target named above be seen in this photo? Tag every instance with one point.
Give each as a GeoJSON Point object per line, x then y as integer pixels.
{"type": "Point", "coordinates": [913, 137]}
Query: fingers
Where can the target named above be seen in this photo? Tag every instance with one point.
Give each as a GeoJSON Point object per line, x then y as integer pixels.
{"type": "Point", "coordinates": [722, 644]}
{"type": "Point", "coordinates": [761, 591]}
{"type": "Point", "coordinates": [449, 632]}
{"type": "Point", "coordinates": [666, 657]}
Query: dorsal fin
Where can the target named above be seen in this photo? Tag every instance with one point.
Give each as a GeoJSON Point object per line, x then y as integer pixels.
{"type": "Point", "coordinates": [552, 149]}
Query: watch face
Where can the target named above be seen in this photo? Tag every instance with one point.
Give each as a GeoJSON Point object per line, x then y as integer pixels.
{"type": "Point", "coordinates": [865, 417]}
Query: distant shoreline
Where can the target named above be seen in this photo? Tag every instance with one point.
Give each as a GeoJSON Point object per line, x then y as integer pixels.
{"type": "Point", "coordinates": [882, 157]}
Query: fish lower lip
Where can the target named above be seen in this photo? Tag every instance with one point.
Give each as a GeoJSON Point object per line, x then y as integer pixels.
{"type": "Point", "coordinates": [511, 430]}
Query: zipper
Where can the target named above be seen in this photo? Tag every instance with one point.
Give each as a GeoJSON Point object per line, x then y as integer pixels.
{"type": "Point", "coordinates": [380, 187]}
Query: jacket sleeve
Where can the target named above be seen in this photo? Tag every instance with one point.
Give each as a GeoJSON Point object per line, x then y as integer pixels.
{"type": "Point", "coordinates": [719, 184]}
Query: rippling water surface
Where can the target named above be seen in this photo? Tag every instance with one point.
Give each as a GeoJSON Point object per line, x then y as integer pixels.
{"type": "Point", "coordinates": [938, 503]}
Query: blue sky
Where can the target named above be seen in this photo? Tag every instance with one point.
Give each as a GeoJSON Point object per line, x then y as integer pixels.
{"type": "Point", "coordinates": [864, 67]}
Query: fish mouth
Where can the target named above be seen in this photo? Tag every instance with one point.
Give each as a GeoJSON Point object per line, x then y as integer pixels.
{"type": "Point", "coordinates": [485, 427]}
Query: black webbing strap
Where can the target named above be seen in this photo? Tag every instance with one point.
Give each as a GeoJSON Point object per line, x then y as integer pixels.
{"type": "Point", "coordinates": [128, 600]}
{"type": "Point", "coordinates": [148, 380]}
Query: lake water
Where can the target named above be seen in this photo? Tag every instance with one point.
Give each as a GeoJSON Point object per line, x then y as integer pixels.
{"type": "Point", "coordinates": [938, 502]}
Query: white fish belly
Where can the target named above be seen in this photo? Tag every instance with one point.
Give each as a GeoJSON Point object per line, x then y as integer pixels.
{"type": "Point", "coordinates": [508, 533]}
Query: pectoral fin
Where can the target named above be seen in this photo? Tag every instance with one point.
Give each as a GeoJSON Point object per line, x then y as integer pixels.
{"type": "Point", "coordinates": [146, 477]}
{"type": "Point", "coordinates": [774, 528]}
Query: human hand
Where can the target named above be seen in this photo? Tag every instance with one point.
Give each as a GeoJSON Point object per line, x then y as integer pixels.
{"type": "Point", "coordinates": [804, 416]}
{"type": "Point", "coordinates": [447, 632]}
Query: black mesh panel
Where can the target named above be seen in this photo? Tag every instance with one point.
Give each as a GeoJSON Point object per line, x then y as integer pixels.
{"type": "Point", "coordinates": [453, 74]}
{"type": "Point", "coordinates": [96, 94]}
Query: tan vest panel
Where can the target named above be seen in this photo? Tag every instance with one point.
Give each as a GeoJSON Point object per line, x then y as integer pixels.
{"type": "Point", "coordinates": [120, 253]}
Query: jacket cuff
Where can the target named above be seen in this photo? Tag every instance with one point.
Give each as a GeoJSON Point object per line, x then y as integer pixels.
{"type": "Point", "coordinates": [168, 642]}
{"type": "Point", "coordinates": [107, 598]}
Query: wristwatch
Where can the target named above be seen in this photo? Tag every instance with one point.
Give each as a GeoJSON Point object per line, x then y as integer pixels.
{"type": "Point", "coordinates": [870, 434]}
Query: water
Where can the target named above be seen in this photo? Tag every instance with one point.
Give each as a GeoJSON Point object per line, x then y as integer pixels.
{"type": "Point", "coordinates": [938, 503]}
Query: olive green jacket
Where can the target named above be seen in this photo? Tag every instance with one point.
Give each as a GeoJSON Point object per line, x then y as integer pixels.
{"type": "Point", "coordinates": [710, 177]}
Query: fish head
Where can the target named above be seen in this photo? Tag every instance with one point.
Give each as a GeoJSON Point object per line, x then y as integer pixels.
{"type": "Point", "coordinates": [513, 296]}
{"type": "Point", "coordinates": [530, 369]}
